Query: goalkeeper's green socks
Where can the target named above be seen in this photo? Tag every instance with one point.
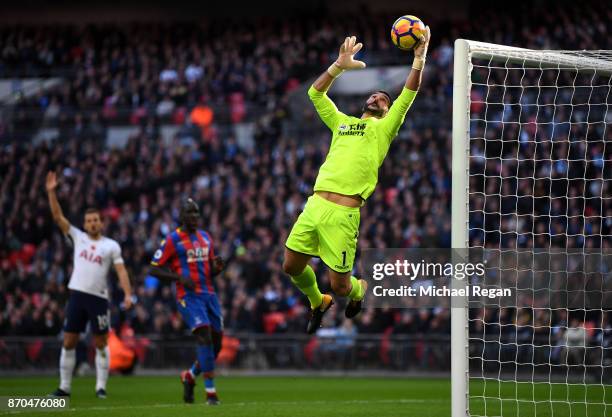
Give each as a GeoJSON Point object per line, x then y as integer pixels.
{"type": "Point", "coordinates": [357, 290]}
{"type": "Point", "coordinates": [307, 283]}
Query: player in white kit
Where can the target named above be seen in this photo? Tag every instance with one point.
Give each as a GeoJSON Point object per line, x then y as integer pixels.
{"type": "Point", "coordinates": [88, 302]}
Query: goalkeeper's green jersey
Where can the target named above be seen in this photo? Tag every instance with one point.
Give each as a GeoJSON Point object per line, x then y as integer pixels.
{"type": "Point", "coordinates": [358, 146]}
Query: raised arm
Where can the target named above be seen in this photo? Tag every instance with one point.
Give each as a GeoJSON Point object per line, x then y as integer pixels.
{"type": "Point", "coordinates": [413, 82]}
{"type": "Point", "coordinates": [395, 118]}
{"type": "Point", "coordinates": [345, 62]}
{"type": "Point", "coordinates": [56, 209]}
{"type": "Point", "coordinates": [327, 110]}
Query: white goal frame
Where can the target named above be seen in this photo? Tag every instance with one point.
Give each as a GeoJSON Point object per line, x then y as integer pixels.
{"type": "Point", "coordinates": [464, 51]}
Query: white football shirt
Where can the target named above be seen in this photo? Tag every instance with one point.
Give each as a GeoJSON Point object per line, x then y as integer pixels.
{"type": "Point", "coordinates": [92, 260]}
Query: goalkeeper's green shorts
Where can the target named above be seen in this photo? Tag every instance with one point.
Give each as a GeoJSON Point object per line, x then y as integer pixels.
{"type": "Point", "coordinates": [327, 230]}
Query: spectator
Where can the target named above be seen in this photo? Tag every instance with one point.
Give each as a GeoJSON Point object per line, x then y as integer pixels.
{"type": "Point", "coordinates": [575, 340]}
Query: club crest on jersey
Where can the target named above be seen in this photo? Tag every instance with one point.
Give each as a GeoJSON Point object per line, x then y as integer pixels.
{"type": "Point", "coordinates": [90, 257]}
{"type": "Point", "coordinates": [354, 129]}
{"type": "Point", "coordinates": [197, 255]}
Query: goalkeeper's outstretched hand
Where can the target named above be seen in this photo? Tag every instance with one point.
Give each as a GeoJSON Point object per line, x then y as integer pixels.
{"type": "Point", "coordinates": [348, 49]}
{"type": "Point", "coordinates": [420, 51]}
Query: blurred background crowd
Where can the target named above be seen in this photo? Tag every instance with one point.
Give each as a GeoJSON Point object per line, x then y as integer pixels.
{"type": "Point", "coordinates": [204, 79]}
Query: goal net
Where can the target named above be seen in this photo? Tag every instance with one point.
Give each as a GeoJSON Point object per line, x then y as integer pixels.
{"type": "Point", "coordinates": [532, 173]}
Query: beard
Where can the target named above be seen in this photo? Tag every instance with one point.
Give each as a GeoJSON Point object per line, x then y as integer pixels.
{"type": "Point", "coordinates": [374, 111]}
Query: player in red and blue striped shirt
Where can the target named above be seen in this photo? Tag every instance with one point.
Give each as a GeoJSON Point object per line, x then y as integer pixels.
{"type": "Point", "coordinates": [189, 254]}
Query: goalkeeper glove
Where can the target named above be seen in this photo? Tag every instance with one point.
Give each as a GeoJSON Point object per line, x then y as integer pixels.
{"type": "Point", "coordinates": [420, 52]}
{"type": "Point", "coordinates": [345, 60]}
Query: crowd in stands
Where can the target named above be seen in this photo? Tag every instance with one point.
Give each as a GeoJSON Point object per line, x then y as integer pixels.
{"type": "Point", "coordinates": [151, 75]}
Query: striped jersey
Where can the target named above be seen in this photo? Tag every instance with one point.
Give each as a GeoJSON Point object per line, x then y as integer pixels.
{"type": "Point", "coordinates": [189, 255]}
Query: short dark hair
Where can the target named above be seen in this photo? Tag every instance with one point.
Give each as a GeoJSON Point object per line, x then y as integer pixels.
{"type": "Point", "coordinates": [91, 210]}
{"type": "Point", "coordinates": [386, 94]}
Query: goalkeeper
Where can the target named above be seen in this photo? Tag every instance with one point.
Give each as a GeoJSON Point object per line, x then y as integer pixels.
{"type": "Point", "coordinates": [329, 225]}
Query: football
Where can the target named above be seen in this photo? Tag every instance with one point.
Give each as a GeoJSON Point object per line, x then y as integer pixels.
{"type": "Point", "coordinates": [406, 31]}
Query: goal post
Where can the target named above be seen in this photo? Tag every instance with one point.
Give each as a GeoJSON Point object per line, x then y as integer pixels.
{"type": "Point", "coordinates": [460, 221]}
{"type": "Point", "coordinates": [546, 113]}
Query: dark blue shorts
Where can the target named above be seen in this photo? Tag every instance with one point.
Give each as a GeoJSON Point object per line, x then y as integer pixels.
{"type": "Point", "coordinates": [83, 308]}
{"type": "Point", "coordinates": [200, 310]}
